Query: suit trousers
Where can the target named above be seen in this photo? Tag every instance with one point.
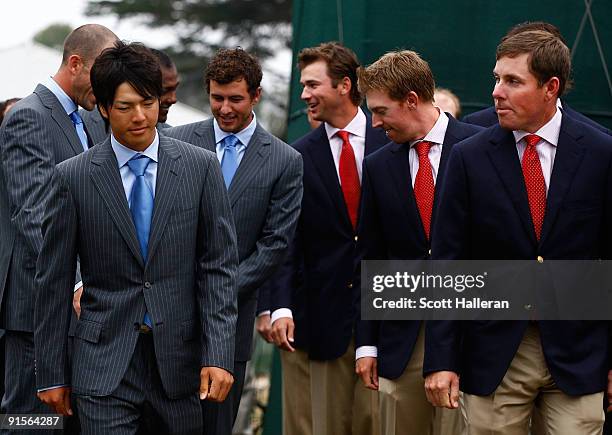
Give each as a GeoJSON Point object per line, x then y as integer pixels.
{"type": "Point", "coordinates": [219, 417]}
{"type": "Point", "coordinates": [140, 400]}
{"type": "Point", "coordinates": [403, 403]}
{"type": "Point", "coordinates": [528, 384]}
{"type": "Point", "coordinates": [341, 405]}
{"type": "Point", "coordinates": [20, 379]}
{"type": "Point", "coordinates": [297, 409]}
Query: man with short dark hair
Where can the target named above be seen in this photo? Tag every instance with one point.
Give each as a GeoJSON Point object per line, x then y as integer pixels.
{"type": "Point", "coordinates": [318, 282]}
{"type": "Point", "coordinates": [151, 222]}
{"type": "Point", "coordinates": [41, 130]}
{"type": "Point", "coordinates": [547, 181]}
{"type": "Point", "coordinates": [396, 223]}
{"type": "Point", "coordinates": [263, 176]}
{"type": "Point", "coordinates": [170, 82]}
{"type": "Point", "coordinates": [488, 117]}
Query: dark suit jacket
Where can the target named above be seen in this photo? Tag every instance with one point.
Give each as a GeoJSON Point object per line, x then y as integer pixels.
{"type": "Point", "coordinates": [265, 197]}
{"type": "Point", "coordinates": [391, 229]}
{"type": "Point", "coordinates": [320, 272]}
{"type": "Point", "coordinates": [484, 214]}
{"type": "Point", "coordinates": [488, 117]}
{"type": "Point", "coordinates": [36, 134]}
{"type": "Point", "coordinates": [187, 282]}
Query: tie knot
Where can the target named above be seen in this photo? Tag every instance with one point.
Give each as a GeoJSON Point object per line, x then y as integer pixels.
{"type": "Point", "coordinates": [76, 118]}
{"type": "Point", "coordinates": [344, 135]}
{"type": "Point", "coordinates": [138, 164]}
{"type": "Point", "coordinates": [230, 141]}
{"type": "Point", "coordinates": [532, 140]}
{"type": "Point", "coordinates": [422, 148]}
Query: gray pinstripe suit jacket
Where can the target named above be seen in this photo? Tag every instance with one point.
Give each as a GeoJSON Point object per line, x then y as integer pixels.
{"type": "Point", "coordinates": [188, 281]}
{"type": "Point", "coordinates": [36, 134]}
{"type": "Point", "coordinates": [265, 196]}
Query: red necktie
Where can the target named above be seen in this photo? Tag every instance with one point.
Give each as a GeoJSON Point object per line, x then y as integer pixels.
{"type": "Point", "coordinates": [349, 178]}
{"type": "Point", "coordinates": [534, 182]}
{"type": "Point", "coordinates": [424, 185]}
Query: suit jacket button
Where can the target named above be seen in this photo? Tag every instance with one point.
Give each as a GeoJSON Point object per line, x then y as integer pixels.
{"type": "Point", "coordinates": [147, 284]}
{"type": "Point", "coordinates": [350, 285]}
{"type": "Point", "coordinates": [429, 252]}
{"type": "Point", "coordinates": [540, 259]}
{"type": "Point", "coordinates": [356, 238]}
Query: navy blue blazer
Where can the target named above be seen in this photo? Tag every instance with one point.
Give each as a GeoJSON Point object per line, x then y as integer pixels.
{"type": "Point", "coordinates": [488, 117]}
{"type": "Point", "coordinates": [317, 281]}
{"type": "Point", "coordinates": [391, 229]}
{"type": "Point", "coordinates": [484, 214]}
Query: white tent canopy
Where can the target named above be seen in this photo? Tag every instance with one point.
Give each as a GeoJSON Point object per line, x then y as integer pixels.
{"type": "Point", "coordinates": [26, 65]}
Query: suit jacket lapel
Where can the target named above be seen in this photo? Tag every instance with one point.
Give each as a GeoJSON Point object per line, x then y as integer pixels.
{"type": "Point", "coordinates": [255, 155]}
{"type": "Point", "coordinates": [398, 163]}
{"type": "Point", "coordinates": [204, 136]}
{"type": "Point", "coordinates": [169, 170]}
{"type": "Point", "coordinates": [321, 156]}
{"type": "Point", "coordinates": [568, 157]}
{"type": "Point", "coordinates": [59, 115]}
{"type": "Point", "coordinates": [107, 179]}
{"type": "Point", "coordinates": [504, 157]}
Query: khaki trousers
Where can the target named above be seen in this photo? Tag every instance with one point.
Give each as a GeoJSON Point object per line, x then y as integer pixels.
{"type": "Point", "coordinates": [297, 415]}
{"type": "Point", "coordinates": [404, 409]}
{"type": "Point", "coordinates": [341, 405]}
{"type": "Point", "coordinates": [526, 385]}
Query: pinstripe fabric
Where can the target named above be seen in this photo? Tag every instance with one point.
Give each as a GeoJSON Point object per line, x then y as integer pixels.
{"type": "Point", "coordinates": [187, 283]}
{"type": "Point", "coordinates": [265, 195]}
{"type": "Point", "coordinates": [36, 135]}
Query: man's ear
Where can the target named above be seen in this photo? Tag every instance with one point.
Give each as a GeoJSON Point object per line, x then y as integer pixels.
{"type": "Point", "coordinates": [257, 96]}
{"type": "Point", "coordinates": [412, 100]}
{"type": "Point", "coordinates": [551, 88]}
{"type": "Point", "coordinates": [75, 63]}
{"type": "Point", "coordinates": [103, 111]}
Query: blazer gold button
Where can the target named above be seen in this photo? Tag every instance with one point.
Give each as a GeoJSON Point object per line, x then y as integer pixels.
{"type": "Point", "coordinates": [540, 259]}
{"type": "Point", "coordinates": [147, 284]}
{"type": "Point", "coordinates": [350, 285]}
{"type": "Point", "coordinates": [356, 238]}
{"type": "Point", "coordinates": [429, 252]}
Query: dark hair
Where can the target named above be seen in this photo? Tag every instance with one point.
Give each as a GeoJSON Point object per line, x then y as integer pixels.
{"type": "Point", "coordinates": [125, 63]}
{"type": "Point", "coordinates": [164, 60]}
{"type": "Point", "coordinates": [86, 41]}
{"type": "Point", "coordinates": [4, 105]}
{"type": "Point", "coordinates": [548, 56]}
{"type": "Point", "coordinates": [341, 62]}
{"type": "Point", "coordinates": [530, 26]}
{"type": "Point", "coordinates": [228, 65]}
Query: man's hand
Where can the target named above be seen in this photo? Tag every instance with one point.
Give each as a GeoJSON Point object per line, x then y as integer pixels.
{"type": "Point", "coordinates": [442, 389]}
{"type": "Point", "coordinates": [264, 327]}
{"type": "Point", "coordinates": [76, 301]}
{"type": "Point", "coordinates": [609, 391]}
{"type": "Point", "coordinates": [215, 383]}
{"type": "Point", "coordinates": [58, 399]}
{"type": "Point", "coordinates": [367, 369]}
{"type": "Point", "coordinates": [282, 333]}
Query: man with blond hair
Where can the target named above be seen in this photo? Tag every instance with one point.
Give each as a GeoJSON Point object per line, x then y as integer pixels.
{"type": "Point", "coordinates": [400, 196]}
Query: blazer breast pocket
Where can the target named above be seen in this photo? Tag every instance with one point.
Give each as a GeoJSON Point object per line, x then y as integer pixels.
{"type": "Point", "coordinates": [88, 330]}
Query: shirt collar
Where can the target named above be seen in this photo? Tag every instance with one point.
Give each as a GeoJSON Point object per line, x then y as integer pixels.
{"type": "Point", "coordinates": [66, 102]}
{"type": "Point", "coordinates": [124, 153]}
{"type": "Point", "coordinates": [244, 135]}
{"type": "Point", "coordinates": [549, 131]}
{"type": "Point", "coordinates": [437, 132]}
{"type": "Point", "coordinates": [356, 127]}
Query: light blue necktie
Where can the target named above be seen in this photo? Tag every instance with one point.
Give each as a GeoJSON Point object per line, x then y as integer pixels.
{"type": "Point", "coordinates": [229, 163]}
{"type": "Point", "coordinates": [141, 207]}
{"type": "Point", "coordinates": [80, 129]}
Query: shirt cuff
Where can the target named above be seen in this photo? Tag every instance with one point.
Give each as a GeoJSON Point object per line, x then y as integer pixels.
{"type": "Point", "coordinates": [40, 390]}
{"type": "Point", "coordinates": [280, 313]}
{"type": "Point", "coordinates": [363, 351]}
{"type": "Point", "coordinates": [264, 313]}
{"type": "Point", "coordinates": [77, 286]}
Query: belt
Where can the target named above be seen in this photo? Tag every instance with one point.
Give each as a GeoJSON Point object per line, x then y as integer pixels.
{"type": "Point", "coordinates": [145, 329]}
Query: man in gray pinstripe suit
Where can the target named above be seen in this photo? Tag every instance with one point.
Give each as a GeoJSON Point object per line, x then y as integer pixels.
{"type": "Point", "coordinates": [264, 180]}
{"type": "Point", "coordinates": [38, 133]}
{"type": "Point", "coordinates": [150, 219]}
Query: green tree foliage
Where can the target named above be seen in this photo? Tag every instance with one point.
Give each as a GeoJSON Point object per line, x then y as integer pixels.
{"type": "Point", "coordinates": [53, 35]}
{"type": "Point", "coordinates": [203, 26]}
